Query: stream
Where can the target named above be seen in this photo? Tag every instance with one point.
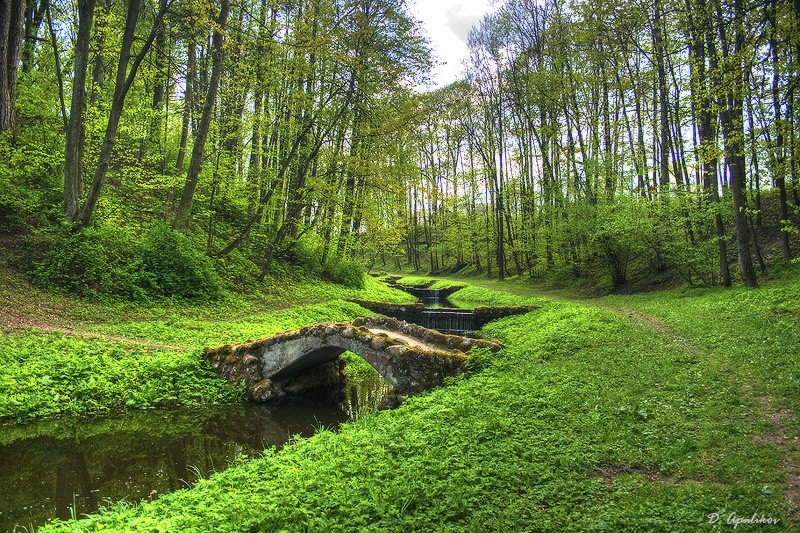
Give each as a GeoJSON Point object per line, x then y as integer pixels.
{"type": "Point", "coordinates": [72, 466]}
{"type": "Point", "coordinates": [441, 314]}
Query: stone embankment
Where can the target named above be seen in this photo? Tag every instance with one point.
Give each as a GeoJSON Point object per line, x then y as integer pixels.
{"type": "Point", "coordinates": [413, 312]}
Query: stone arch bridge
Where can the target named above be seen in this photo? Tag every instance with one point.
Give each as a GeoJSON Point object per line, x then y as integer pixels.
{"type": "Point", "coordinates": [411, 358]}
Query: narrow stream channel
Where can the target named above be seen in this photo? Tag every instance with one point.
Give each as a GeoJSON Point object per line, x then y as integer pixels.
{"type": "Point", "coordinates": [72, 466]}
{"type": "Point", "coordinates": [57, 468]}
{"type": "Point", "coordinates": [441, 314]}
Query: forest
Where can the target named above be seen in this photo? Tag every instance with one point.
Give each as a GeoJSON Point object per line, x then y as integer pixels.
{"type": "Point", "coordinates": [599, 141]}
{"type": "Point", "coordinates": [613, 187]}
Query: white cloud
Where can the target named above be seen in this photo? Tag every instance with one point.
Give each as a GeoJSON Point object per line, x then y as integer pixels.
{"type": "Point", "coordinates": [447, 23]}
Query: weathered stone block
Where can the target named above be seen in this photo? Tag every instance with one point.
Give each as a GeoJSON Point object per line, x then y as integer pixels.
{"type": "Point", "coordinates": [378, 343]}
{"type": "Point", "coordinates": [261, 391]}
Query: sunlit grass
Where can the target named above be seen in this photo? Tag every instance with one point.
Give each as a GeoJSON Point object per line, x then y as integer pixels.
{"type": "Point", "coordinates": [595, 416]}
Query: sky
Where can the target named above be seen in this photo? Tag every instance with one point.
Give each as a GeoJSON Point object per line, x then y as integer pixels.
{"type": "Point", "coordinates": [447, 23]}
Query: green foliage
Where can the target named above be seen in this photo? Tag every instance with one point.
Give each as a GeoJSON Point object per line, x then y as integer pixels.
{"type": "Point", "coordinates": [174, 267]}
{"type": "Point", "coordinates": [32, 160]}
{"type": "Point", "coordinates": [590, 419]}
{"type": "Point", "coordinates": [472, 295]}
{"type": "Point", "coordinates": [344, 271]}
{"type": "Point", "coordinates": [90, 262]}
{"type": "Point", "coordinates": [46, 374]}
{"type": "Point", "coordinates": [106, 260]}
{"type": "Point", "coordinates": [358, 369]}
{"type": "Point", "coordinates": [347, 272]}
{"type": "Point", "coordinates": [188, 331]}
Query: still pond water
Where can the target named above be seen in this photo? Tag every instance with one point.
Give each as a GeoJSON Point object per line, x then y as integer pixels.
{"type": "Point", "coordinates": [69, 466]}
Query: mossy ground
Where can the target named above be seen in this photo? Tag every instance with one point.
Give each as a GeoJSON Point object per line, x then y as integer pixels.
{"type": "Point", "coordinates": [640, 413]}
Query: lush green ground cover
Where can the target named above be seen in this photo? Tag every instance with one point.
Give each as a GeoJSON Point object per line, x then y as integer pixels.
{"type": "Point", "coordinates": [635, 413]}
{"type": "Point", "coordinates": [102, 356]}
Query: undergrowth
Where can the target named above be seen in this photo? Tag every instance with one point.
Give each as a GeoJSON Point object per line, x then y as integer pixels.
{"type": "Point", "coordinates": [590, 419]}
{"type": "Point", "coordinates": [159, 365]}
{"type": "Point", "coordinates": [46, 374]}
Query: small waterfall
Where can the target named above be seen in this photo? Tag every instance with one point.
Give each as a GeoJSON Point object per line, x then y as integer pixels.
{"type": "Point", "coordinates": [448, 320]}
{"type": "Point", "coordinates": [440, 314]}
{"type": "Point", "coordinates": [429, 297]}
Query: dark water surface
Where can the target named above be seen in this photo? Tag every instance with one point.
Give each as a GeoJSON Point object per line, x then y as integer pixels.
{"type": "Point", "coordinates": [68, 466]}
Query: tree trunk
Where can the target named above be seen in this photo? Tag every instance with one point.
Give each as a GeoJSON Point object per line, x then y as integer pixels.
{"type": "Point", "coordinates": [704, 48]}
{"type": "Point", "coordinates": [663, 103]}
{"type": "Point", "coordinates": [124, 81]}
{"type": "Point", "coordinates": [732, 121]}
{"type": "Point", "coordinates": [34, 16]}
{"type": "Point", "coordinates": [778, 157]}
{"type": "Point", "coordinates": [76, 128]}
{"type": "Point", "coordinates": [195, 164]}
{"type": "Point", "coordinates": [188, 101]}
{"type": "Point", "coordinates": [12, 16]}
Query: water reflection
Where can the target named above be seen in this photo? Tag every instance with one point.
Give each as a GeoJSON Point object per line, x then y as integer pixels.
{"type": "Point", "coordinates": [72, 466]}
{"type": "Point", "coordinates": [365, 396]}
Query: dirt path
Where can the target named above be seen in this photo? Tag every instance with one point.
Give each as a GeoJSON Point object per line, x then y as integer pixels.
{"type": "Point", "coordinates": [789, 448]}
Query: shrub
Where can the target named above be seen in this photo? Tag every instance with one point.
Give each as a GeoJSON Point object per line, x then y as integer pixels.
{"type": "Point", "coordinates": [344, 272]}
{"type": "Point", "coordinates": [308, 252]}
{"type": "Point", "coordinates": [89, 262]}
{"type": "Point", "coordinates": [173, 267]}
{"type": "Point", "coordinates": [109, 261]}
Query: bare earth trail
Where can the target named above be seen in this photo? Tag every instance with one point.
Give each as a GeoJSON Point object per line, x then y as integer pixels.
{"type": "Point", "coordinates": [22, 307]}
{"type": "Point", "coordinates": [14, 322]}
{"type": "Point", "coordinates": [778, 418]}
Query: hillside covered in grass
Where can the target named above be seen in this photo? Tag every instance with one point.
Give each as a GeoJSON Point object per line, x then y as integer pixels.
{"type": "Point", "coordinates": [650, 413]}
{"type": "Point", "coordinates": [60, 354]}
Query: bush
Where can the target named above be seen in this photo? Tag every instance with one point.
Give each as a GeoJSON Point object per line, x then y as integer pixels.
{"type": "Point", "coordinates": [89, 262]}
{"type": "Point", "coordinates": [109, 261]}
{"type": "Point", "coordinates": [308, 252]}
{"type": "Point", "coordinates": [173, 267]}
{"type": "Point", "coordinates": [344, 272]}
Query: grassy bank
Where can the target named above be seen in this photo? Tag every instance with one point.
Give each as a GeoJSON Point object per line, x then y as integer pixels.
{"type": "Point", "coordinates": [60, 355]}
{"type": "Point", "coordinates": [635, 413]}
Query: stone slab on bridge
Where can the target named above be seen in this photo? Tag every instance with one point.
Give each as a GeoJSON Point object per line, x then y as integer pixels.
{"type": "Point", "coordinates": [411, 358]}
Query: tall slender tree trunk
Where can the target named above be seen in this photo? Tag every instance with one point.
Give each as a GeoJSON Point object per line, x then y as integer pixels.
{"type": "Point", "coordinates": [663, 101]}
{"type": "Point", "coordinates": [34, 16]}
{"type": "Point", "coordinates": [76, 128]}
{"type": "Point", "coordinates": [732, 121]}
{"type": "Point", "coordinates": [124, 81]}
{"type": "Point", "coordinates": [778, 157]}
{"type": "Point", "coordinates": [188, 101]}
{"type": "Point", "coordinates": [12, 16]}
{"type": "Point", "coordinates": [184, 210]}
{"type": "Point", "coordinates": [703, 48]}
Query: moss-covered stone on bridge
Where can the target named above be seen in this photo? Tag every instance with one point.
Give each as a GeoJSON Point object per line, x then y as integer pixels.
{"type": "Point", "coordinates": [411, 358]}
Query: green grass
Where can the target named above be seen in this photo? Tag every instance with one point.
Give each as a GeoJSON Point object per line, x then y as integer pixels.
{"type": "Point", "coordinates": [752, 335]}
{"type": "Point", "coordinates": [186, 331]}
{"type": "Point", "coordinates": [113, 355]}
{"type": "Point", "coordinates": [594, 417]}
{"type": "Point", "coordinates": [46, 374]}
